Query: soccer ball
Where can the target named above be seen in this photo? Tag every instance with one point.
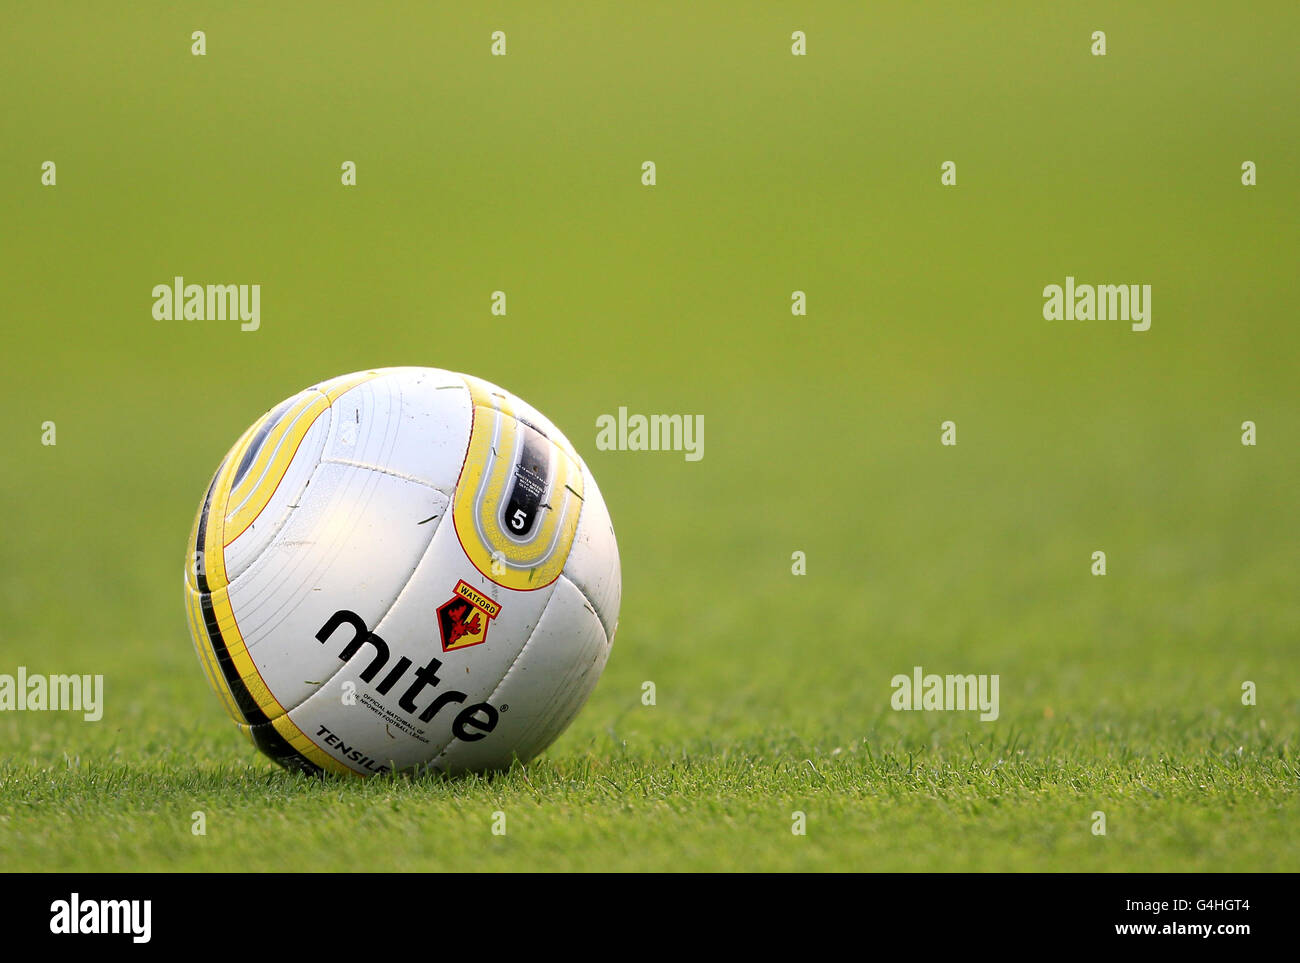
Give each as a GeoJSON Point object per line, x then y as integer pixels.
{"type": "Point", "coordinates": [402, 569]}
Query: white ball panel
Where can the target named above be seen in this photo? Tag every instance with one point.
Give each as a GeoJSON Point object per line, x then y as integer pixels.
{"type": "Point", "coordinates": [412, 422]}
{"type": "Point", "coordinates": [380, 742]}
{"type": "Point", "coordinates": [411, 626]}
{"type": "Point", "coordinates": [593, 564]}
{"type": "Point", "coordinates": [245, 549]}
{"type": "Point", "coordinates": [544, 688]}
{"type": "Point", "coordinates": [351, 543]}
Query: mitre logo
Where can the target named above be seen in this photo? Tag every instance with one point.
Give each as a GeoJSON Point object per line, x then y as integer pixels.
{"type": "Point", "coordinates": [463, 619]}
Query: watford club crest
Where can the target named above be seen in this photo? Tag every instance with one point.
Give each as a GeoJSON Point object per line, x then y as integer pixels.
{"type": "Point", "coordinates": [463, 619]}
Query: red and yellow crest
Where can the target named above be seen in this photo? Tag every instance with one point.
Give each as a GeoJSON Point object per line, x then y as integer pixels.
{"type": "Point", "coordinates": [463, 619]}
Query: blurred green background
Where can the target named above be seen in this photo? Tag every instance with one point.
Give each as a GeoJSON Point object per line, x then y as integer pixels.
{"type": "Point", "coordinates": [775, 173]}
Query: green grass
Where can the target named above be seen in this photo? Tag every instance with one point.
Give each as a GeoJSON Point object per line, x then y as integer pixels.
{"type": "Point", "coordinates": [630, 800]}
{"type": "Point", "coordinates": [1119, 694]}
